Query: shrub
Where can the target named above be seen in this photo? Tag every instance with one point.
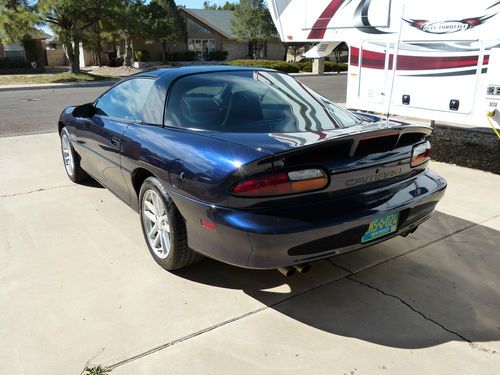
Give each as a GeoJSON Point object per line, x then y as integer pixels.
{"type": "Point", "coordinates": [141, 55]}
{"type": "Point", "coordinates": [33, 53]}
{"type": "Point", "coordinates": [332, 67]}
{"type": "Point", "coordinates": [182, 56]}
{"type": "Point", "coordinates": [305, 66]}
{"type": "Point", "coordinates": [288, 67]}
{"type": "Point", "coordinates": [14, 64]}
{"type": "Point", "coordinates": [217, 56]}
{"type": "Point", "coordinates": [269, 64]}
{"type": "Point", "coordinates": [119, 61]}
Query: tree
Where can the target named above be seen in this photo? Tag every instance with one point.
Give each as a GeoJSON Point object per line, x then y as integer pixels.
{"type": "Point", "coordinates": [164, 24]}
{"type": "Point", "coordinates": [342, 47]}
{"type": "Point", "coordinates": [253, 24]}
{"type": "Point", "coordinates": [227, 6]}
{"type": "Point", "coordinates": [17, 18]}
{"type": "Point", "coordinates": [71, 19]}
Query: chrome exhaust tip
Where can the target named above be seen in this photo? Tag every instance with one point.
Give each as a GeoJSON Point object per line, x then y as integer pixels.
{"type": "Point", "coordinates": [303, 268]}
{"type": "Point", "coordinates": [286, 271]}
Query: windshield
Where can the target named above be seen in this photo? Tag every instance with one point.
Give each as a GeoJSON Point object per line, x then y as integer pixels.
{"type": "Point", "coordinates": [251, 102]}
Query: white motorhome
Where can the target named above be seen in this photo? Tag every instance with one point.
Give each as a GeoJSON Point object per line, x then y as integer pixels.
{"type": "Point", "coordinates": [431, 59]}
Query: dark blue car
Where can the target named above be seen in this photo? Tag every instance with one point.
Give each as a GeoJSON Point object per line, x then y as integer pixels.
{"type": "Point", "coordinates": [249, 166]}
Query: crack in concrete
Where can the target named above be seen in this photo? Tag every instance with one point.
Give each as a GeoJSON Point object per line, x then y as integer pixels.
{"type": "Point", "coordinates": [34, 191]}
{"type": "Point", "coordinates": [471, 343]}
{"type": "Point", "coordinates": [442, 326]}
{"type": "Point", "coordinates": [348, 276]}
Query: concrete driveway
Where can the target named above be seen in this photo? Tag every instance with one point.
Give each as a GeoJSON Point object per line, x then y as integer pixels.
{"type": "Point", "coordinates": [78, 287]}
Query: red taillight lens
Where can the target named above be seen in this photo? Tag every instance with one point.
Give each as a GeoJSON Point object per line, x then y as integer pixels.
{"type": "Point", "coordinates": [421, 153]}
{"type": "Point", "coordinates": [281, 183]}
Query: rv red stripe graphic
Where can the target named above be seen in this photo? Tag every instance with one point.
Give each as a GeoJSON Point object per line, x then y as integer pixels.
{"type": "Point", "coordinates": [376, 60]}
{"type": "Point", "coordinates": [319, 28]}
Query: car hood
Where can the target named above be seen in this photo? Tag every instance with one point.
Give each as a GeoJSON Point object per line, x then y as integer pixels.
{"type": "Point", "coordinates": [283, 142]}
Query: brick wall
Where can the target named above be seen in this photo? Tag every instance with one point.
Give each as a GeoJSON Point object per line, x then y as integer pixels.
{"type": "Point", "coordinates": [275, 50]}
{"type": "Point", "coordinates": [235, 49]}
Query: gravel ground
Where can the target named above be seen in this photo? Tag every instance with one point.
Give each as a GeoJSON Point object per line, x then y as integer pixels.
{"type": "Point", "coordinates": [120, 71]}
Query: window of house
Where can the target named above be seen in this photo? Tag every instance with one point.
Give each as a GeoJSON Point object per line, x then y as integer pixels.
{"type": "Point", "coordinates": [201, 47]}
{"type": "Point", "coordinates": [14, 52]}
{"type": "Point", "coordinates": [126, 100]}
{"type": "Point", "coordinates": [195, 28]}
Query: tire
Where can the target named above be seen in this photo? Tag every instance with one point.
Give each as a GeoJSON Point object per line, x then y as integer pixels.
{"type": "Point", "coordinates": [168, 246]}
{"type": "Point", "coordinates": [71, 160]}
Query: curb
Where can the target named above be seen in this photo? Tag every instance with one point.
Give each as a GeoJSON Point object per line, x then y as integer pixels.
{"type": "Point", "coordinates": [42, 86]}
{"type": "Point", "coordinates": [308, 74]}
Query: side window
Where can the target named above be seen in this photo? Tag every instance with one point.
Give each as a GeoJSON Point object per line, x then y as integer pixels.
{"type": "Point", "coordinates": [126, 100]}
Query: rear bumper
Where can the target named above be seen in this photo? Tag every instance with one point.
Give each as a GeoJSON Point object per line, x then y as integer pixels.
{"type": "Point", "coordinates": [292, 235]}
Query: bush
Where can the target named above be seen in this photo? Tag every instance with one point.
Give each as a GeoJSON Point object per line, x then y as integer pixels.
{"type": "Point", "coordinates": [217, 56]}
{"type": "Point", "coordinates": [305, 66]}
{"type": "Point", "coordinates": [289, 67]}
{"type": "Point", "coordinates": [15, 64]}
{"type": "Point", "coordinates": [182, 56]}
{"type": "Point", "coordinates": [141, 55]}
{"type": "Point", "coordinates": [282, 66]}
{"type": "Point", "coordinates": [331, 66]}
{"type": "Point", "coordinates": [119, 61]}
{"type": "Point", "coordinates": [33, 53]}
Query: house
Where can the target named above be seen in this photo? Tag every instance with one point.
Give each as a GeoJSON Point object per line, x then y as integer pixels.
{"type": "Point", "coordinates": [210, 31]}
{"type": "Point", "coordinates": [22, 55]}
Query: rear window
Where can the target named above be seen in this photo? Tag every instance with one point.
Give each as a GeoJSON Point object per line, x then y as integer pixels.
{"type": "Point", "coordinates": [251, 101]}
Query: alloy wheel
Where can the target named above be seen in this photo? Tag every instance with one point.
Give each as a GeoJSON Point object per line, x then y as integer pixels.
{"type": "Point", "coordinates": [156, 223]}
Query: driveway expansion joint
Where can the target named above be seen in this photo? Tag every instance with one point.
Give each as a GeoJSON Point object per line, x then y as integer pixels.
{"type": "Point", "coordinates": [34, 191]}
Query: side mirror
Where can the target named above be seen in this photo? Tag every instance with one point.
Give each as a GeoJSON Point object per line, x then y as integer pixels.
{"type": "Point", "coordinates": [85, 111]}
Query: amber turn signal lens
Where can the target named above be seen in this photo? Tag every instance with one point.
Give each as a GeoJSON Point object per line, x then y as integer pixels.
{"type": "Point", "coordinates": [281, 183]}
{"type": "Point", "coordinates": [421, 153]}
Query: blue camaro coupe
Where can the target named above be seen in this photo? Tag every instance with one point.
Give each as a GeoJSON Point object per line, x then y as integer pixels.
{"type": "Point", "coordinates": [249, 166]}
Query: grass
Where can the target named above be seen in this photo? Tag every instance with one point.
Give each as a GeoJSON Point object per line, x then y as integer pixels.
{"type": "Point", "coordinates": [19, 79]}
{"type": "Point", "coordinates": [95, 370]}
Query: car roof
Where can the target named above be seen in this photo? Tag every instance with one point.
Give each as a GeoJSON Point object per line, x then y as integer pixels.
{"type": "Point", "coordinates": [187, 70]}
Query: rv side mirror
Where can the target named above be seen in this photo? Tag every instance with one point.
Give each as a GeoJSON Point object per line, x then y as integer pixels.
{"type": "Point", "coordinates": [86, 111]}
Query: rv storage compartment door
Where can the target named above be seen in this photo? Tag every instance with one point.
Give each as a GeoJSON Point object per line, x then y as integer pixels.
{"type": "Point", "coordinates": [438, 73]}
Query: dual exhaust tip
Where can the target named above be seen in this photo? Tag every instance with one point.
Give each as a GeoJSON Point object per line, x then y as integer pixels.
{"type": "Point", "coordinates": [300, 268]}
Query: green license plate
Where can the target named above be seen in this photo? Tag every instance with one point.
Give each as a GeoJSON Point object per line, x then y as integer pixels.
{"type": "Point", "coordinates": [381, 226]}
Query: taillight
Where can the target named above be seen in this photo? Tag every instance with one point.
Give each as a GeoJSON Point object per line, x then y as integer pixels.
{"type": "Point", "coordinates": [281, 183]}
{"type": "Point", "coordinates": [421, 153]}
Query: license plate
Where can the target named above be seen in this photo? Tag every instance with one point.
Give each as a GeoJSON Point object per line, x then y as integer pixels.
{"type": "Point", "coordinates": [381, 226]}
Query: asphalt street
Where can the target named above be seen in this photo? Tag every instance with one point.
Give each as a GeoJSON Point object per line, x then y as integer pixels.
{"type": "Point", "coordinates": [36, 111]}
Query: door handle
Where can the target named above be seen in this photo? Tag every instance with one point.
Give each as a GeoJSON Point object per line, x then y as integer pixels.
{"type": "Point", "coordinates": [115, 141]}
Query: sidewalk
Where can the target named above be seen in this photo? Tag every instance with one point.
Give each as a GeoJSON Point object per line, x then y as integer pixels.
{"type": "Point", "coordinates": [40, 86]}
